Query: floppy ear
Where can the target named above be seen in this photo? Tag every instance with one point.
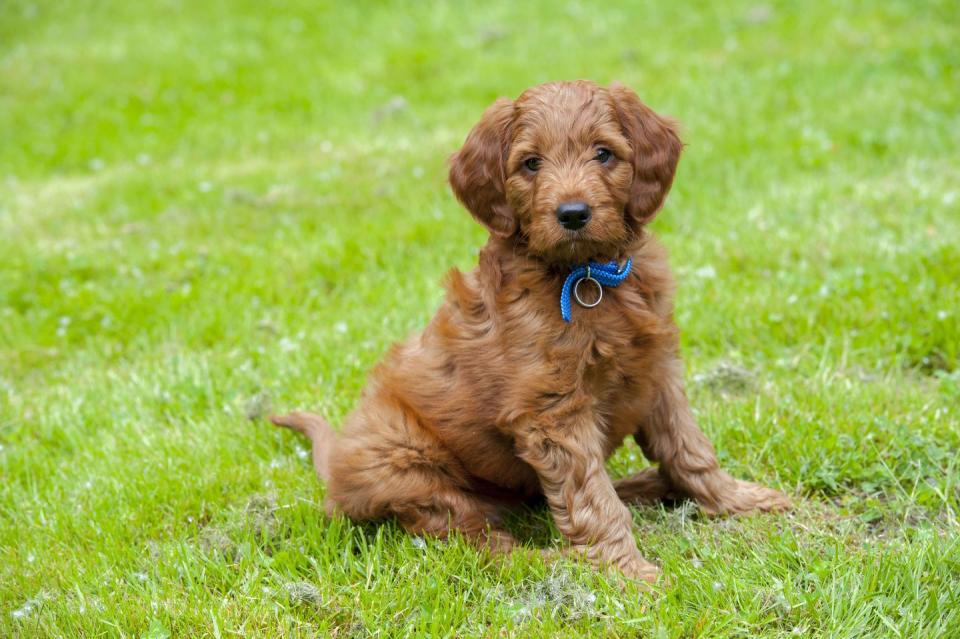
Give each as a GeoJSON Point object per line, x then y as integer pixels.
{"type": "Point", "coordinates": [477, 170]}
{"type": "Point", "coordinates": [656, 151]}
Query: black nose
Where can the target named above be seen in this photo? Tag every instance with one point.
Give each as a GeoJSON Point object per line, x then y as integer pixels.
{"type": "Point", "coordinates": [573, 215]}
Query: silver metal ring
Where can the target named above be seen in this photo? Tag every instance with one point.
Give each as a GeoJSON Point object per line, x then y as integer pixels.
{"type": "Point", "coordinates": [576, 292]}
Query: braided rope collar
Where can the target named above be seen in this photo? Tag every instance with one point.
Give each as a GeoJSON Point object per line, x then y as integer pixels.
{"type": "Point", "coordinates": [600, 275]}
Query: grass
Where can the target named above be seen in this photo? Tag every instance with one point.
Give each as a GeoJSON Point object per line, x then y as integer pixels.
{"type": "Point", "coordinates": [209, 210]}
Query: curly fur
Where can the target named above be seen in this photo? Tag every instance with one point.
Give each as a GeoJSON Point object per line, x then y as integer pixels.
{"type": "Point", "coordinates": [499, 400]}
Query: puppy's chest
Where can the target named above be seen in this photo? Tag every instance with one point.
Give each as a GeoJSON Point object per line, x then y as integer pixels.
{"type": "Point", "coordinates": [599, 351]}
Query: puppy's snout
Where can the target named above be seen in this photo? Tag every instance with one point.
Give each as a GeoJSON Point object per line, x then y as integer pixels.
{"type": "Point", "coordinates": [573, 215]}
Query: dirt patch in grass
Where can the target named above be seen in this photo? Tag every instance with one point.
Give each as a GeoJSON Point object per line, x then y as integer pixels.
{"type": "Point", "coordinates": [258, 517]}
{"type": "Point", "coordinates": [261, 514]}
{"type": "Point", "coordinates": [727, 378]}
{"type": "Point", "coordinates": [302, 593]}
{"type": "Point", "coordinates": [561, 594]}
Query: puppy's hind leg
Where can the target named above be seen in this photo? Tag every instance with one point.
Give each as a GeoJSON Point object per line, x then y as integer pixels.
{"type": "Point", "coordinates": [319, 433]}
{"type": "Point", "coordinates": [388, 464]}
{"type": "Point", "coordinates": [450, 509]}
{"type": "Point", "coordinates": [418, 483]}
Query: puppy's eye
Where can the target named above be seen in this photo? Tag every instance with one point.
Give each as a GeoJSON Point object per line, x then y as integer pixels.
{"type": "Point", "coordinates": [603, 155]}
{"type": "Point", "coordinates": [533, 164]}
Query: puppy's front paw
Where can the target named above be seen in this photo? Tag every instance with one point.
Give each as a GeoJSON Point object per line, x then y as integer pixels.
{"type": "Point", "coordinates": [633, 566]}
{"type": "Point", "coordinates": [747, 497]}
{"type": "Point", "coordinates": [639, 569]}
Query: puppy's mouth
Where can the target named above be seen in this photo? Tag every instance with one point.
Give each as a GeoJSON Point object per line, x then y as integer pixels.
{"type": "Point", "coordinates": [598, 239]}
{"type": "Point", "coordinates": [579, 248]}
{"type": "Point", "coordinates": [586, 244]}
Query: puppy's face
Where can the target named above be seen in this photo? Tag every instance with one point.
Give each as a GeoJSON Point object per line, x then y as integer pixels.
{"type": "Point", "coordinates": [568, 172]}
{"type": "Point", "coordinates": [573, 170]}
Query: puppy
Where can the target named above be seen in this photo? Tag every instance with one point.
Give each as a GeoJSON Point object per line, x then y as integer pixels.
{"type": "Point", "coordinates": [534, 368]}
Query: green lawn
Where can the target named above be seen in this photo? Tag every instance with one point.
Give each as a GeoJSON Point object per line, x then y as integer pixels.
{"type": "Point", "coordinates": [212, 210]}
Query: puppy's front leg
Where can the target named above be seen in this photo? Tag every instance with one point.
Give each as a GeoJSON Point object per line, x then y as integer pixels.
{"type": "Point", "coordinates": [568, 458]}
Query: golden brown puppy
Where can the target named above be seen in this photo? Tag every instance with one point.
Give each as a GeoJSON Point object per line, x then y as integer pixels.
{"type": "Point", "coordinates": [500, 398]}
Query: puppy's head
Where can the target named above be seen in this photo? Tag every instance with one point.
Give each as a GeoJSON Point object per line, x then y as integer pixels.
{"type": "Point", "coordinates": [572, 169]}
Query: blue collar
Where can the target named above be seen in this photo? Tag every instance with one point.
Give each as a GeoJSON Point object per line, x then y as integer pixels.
{"type": "Point", "coordinates": [599, 275]}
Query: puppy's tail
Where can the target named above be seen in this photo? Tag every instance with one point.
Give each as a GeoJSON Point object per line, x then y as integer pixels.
{"type": "Point", "coordinates": [317, 430]}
